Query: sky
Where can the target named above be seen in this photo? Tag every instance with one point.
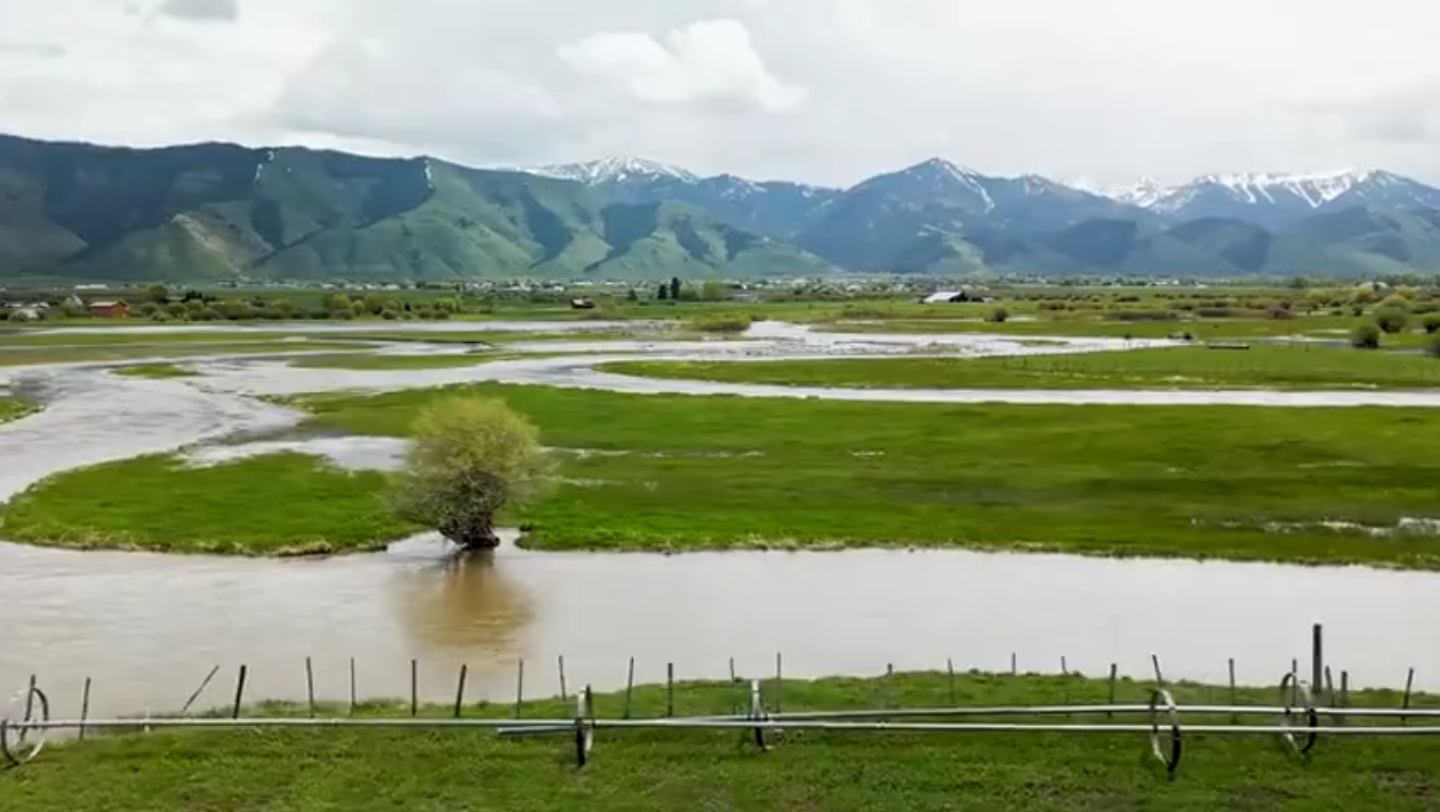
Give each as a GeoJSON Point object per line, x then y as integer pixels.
{"type": "Point", "coordinates": [824, 91]}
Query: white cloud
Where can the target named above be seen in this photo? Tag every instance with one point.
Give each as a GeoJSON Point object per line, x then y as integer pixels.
{"type": "Point", "coordinates": [201, 10]}
{"type": "Point", "coordinates": [820, 90]}
{"type": "Point", "coordinates": [708, 59]}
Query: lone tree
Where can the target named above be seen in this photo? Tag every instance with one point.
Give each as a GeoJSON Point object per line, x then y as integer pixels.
{"type": "Point", "coordinates": [1365, 337]}
{"type": "Point", "coordinates": [1392, 319]}
{"type": "Point", "coordinates": [470, 457]}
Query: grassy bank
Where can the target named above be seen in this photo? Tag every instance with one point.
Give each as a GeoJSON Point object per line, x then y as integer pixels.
{"type": "Point", "coordinates": [1272, 366]}
{"type": "Point", "coordinates": [670, 770]}
{"type": "Point", "coordinates": [280, 504]}
{"type": "Point", "coordinates": [14, 408]}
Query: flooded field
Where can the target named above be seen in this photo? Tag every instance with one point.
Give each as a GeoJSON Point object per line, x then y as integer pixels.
{"type": "Point", "coordinates": [148, 628]}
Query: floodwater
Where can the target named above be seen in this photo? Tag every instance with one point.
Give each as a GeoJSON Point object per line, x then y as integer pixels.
{"type": "Point", "coordinates": [148, 628]}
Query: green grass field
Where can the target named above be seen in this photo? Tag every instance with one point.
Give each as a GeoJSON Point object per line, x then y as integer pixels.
{"type": "Point", "coordinates": [279, 504]}
{"type": "Point", "coordinates": [1271, 366]}
{"type": "Point", "coordinates": [122, 352]}
{"type": "Point", "coordinates": [119, 336]}
{"type": "Point", "coordinates": [1096, 324]}
{"type": "Point", "coordinates": [156, 371]}
{"type": "Point", "coordinates": [391, 362]}
{"type": "Point", "coordinates": [376, 769]}
{"type": "Point", "coordinates": [514, 336]}
{"type": "Point", "coordinates": [716, 472]}
{"type": "Point", "coordinates": [12, 408]}
{"type": "Point", "coordinates": [695, 473]}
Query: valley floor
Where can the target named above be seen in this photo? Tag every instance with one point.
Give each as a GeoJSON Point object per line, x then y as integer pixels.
{"type": "Point", "coordinates": [675, 472]}
{"type": "Point", "coordinates": [1270, 366]}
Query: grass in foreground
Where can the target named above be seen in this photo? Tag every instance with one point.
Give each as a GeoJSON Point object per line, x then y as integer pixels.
{"type": "Point", "coordinates": [280, 504]}
{"type": "Point", "coordinates": [156, 371]}
{"type": "Point", "coordinates": [670, 770]}
{"type": "Point", "coordinates": [15, 408]}
{"type": "Point", "coordinates": [1283, 366]}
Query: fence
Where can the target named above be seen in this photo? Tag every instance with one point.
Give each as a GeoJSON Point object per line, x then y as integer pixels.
{"type": "Point", "coordinates": [1297, 715]}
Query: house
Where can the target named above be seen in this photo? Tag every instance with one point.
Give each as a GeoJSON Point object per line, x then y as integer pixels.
{"type": "Point", "coordinates": [946, 297]}
{"type": "Point", "coordinates": [109, 309]}
{"type": "Point", "coordinates": [20, 312]}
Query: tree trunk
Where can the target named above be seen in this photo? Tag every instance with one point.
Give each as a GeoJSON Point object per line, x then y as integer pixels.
{"type": "Point", "coordinates": [478, 534]}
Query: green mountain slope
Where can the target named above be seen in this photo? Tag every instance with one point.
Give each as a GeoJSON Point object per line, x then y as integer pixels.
{"type": "Point", "coordinates": [1377, 241]}
{"type": "Point", "coordinates": [220, 212]}
{"type": "Point", "coordinates": [1254, 249]}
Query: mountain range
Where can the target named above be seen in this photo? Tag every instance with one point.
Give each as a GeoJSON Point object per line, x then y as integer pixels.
{"type": "Point", "coordinates": [222, 212]}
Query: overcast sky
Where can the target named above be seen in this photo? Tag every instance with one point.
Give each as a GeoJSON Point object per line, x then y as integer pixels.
{"type": "Point", "coordinates": [826, 91]}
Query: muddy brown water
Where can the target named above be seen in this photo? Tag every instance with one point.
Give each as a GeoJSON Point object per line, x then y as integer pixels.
{"type": "Point", "coordinates": [147, 628]}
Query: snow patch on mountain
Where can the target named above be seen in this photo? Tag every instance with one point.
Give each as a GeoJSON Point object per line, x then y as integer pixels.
{"type": "Point", "coordinates": [613, 169]}
{"type": "Point", "coordinates": [938, 172]}
{"type": "Point", "coordinates": [260, 168]}
{"type": "Point", "coordinates": [1143, 193]}
{"type": "Point", "coordinates": [1251, 188]}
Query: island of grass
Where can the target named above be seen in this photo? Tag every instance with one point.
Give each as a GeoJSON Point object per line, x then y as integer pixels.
{"type": "Point", "coordinates": [384, 769]}
{"type": "Point", "coordinates": [13, 408]}
{"type": "Point", "coordinates": [679, 473]}
{"type": "Point", "coordinates": [275, 505]}
{"type": "Point", "coordinates": [156, 371]}
{"type": "Point", "coordinates": [1271, 366]}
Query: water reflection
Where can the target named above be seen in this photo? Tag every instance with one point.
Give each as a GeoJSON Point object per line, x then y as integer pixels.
{"type": "Point", "coordinates": [463, 605]}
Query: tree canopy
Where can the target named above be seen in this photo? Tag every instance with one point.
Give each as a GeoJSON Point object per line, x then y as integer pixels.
{"type": "Point", "coordinates": [471, 457]}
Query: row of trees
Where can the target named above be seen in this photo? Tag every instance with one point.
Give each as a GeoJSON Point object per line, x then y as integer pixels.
{"type": "Point", "coordinates": [673, 291]}
{"type": "Point", "coordinates": [160, 304]}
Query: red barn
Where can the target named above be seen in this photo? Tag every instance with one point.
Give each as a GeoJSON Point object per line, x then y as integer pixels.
{"type": "Point", "coordinates": [109, 310]}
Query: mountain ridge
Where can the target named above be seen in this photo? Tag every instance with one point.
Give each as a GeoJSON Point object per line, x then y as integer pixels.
{"type": "Point", "coordinates": [217, 211]}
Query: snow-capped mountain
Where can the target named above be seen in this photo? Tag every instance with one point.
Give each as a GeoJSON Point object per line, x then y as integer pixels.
{"type": "Point", "coordinates": [941, 214]}
{"type": "Point", "coordinates": [614, 169]}
{"type": "Point", "coordinates": [1277, 199]}
{"type": "Point", "coordinates": [1145, 193]}
{"type": "Point", "coordinates": [939, 197]}
{"type": "Point", "coordinates": [769, 208]}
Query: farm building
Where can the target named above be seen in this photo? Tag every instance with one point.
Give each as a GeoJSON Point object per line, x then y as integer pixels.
{"type": "Point", "coordinates": [109, 309]}
{"type": "Point", "coordinates": [953, 296]}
